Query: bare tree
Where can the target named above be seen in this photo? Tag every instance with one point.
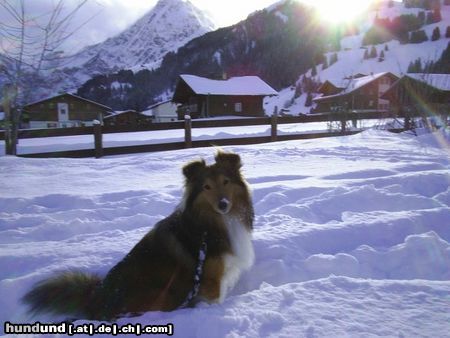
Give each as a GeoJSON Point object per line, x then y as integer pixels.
{"type": "Point", "coordinates": [29, 45]}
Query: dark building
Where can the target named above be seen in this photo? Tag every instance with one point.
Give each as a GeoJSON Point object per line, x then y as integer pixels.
{"type": "Point", "coordinates": [63, 111]}
{"type": "Point", "coordinates": [425, 95]}
{"type": "Point", "coordinates": [359, 93]}
{"type": "Point", "coordinates": [239, 96]}
{"type": "Point", "coordinates": [129, 118]}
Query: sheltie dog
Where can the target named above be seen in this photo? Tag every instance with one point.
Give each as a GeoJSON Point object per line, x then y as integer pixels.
{"type": "Point", "coordinates": [195, 254]}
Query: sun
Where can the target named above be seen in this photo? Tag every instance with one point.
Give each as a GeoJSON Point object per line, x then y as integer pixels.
{"type": "Point", "coordinates": [337, 11]}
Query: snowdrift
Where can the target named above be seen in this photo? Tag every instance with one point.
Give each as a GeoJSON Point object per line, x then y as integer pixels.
{"type": "Point", "coordinates": [352, 234]}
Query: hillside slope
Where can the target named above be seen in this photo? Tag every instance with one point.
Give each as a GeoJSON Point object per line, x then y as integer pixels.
{"type": "Point", "coordinates": [350, 59]}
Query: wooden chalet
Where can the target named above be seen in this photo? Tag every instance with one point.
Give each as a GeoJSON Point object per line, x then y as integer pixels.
{"type": "Point", "coordinates": [165, 111]}
{"type": "Point", "coordinates": [239, 96]}
{"type": "Point", "coordinates": [129, 118]}
{"type": "Point", "coordinates": [426, 95]}
{"type": "Point", "coordinates": [359, 93]}
{"type": "Point", "coordinates": [63, 111]}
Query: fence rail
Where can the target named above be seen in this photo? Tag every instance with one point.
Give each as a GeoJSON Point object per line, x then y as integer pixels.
{"type": "Point", "coordinates": [98, 131]}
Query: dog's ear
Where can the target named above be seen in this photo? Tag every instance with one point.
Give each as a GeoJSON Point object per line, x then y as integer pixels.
{"type": "Point", "coordinates": [193, 169]}
{"type": "Point", "coordinates": [228, 160]}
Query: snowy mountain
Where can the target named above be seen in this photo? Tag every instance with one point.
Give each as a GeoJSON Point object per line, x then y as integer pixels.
{"type": "Point", "coordinates": [165, 28]}
{"type": "Point", "coordinates": [168, 26]}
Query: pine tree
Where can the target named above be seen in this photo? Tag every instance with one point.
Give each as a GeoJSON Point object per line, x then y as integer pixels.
{"type": "Point", "coordinates": [298, 90]}
{"type": "Point", "coordinates": [437, 16]}
{"type": "Point", "coordinates": [447, 32]}
{"type": "Point", "coordinates": [386, 48]}
{"type": "Point", "coordinates": [333, 59]}
{"type": "Point", "coordinates": [381, 58]}
{"type": "Point", "coordinates": [366, 54]}
{"type": "Point", "coordinates": [436, 34]}
{"type": "Point", "coordinates": [418, 65]}
{"type": "Point", "coordinates": [415, 66]}
{"type": "Point", "coordinates": [325, 63]}
{"type": "Point", "coordinates": [373, 53]}
{"type": "Point", "coordinates": [434, 16]}
{"type": "Point", "coordinates": [314, 71]}
{"type": "Point", "coordinates": [308, 102]}
{"type": "Point", "coordinates": [418, 36]}
{"type": "Point", "coordinates": [421, 17]}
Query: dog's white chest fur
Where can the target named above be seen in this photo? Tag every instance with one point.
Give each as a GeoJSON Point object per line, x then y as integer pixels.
{"type": "Point", "coordinates": [242, 257]}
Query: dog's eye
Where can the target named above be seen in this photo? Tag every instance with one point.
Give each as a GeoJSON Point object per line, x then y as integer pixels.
{"type": "Point", "coordinates": [207, 187]}
{"type": "Point", "coordinates": [226, 181]}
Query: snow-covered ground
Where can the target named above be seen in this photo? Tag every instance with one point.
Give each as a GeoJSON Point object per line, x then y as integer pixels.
{"type": "Point", "coordinates": [352, 234]}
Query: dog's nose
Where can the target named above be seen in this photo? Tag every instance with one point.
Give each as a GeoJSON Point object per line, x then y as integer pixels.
{"type": "Point", "coordinates": [223, 204]}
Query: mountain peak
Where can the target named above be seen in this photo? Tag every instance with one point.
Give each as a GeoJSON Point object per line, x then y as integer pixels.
{"type": "Point", "coordinates": [167, 26]}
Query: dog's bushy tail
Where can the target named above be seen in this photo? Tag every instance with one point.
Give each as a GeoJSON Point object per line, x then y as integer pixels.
{"type": "Point", "coordinates": [70, 293]}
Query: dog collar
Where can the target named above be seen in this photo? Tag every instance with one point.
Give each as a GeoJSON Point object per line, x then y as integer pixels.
{"type": "Point", "coordinates": [198, 272]}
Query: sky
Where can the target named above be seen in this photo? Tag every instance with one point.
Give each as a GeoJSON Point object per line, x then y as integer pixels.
{"type": "Point", "coordinates": [110, 17]}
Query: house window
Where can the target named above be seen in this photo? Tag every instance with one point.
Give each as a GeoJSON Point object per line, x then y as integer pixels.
{"type": "Point", "coordinates": [238, 107]}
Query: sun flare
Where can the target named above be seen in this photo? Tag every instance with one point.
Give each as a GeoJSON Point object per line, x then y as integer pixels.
{"type": "Point", "coordinates": [339, 11]}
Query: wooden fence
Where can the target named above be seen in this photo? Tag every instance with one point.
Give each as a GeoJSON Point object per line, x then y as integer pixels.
{"type": "Point", "coordinates": [98, 131]}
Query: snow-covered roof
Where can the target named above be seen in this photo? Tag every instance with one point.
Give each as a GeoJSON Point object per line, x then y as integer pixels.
{"type": "Point", "coordinates": [354, 84]}
{"type": "Point", "coordinates": [159, 104]}
{"type": "Point", "coordinates": [238, 86]}
{"type": "Point", "coordinates": [148, 112]}
{"type": "Point", "coordinates": [72, 95]}
{"type": "Point", "coordinates": [351, 85]}
{"type": "Point", "coordinates": [438, 81]}
{"type": "Point", "coordinates": [120, 112]}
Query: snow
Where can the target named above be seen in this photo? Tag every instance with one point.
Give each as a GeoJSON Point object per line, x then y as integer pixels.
{"type": "Point", "coordinates": [439, 81]}
{"type": "Point", "coordinates": [397, 57]}
{"type": "Point", "coordinates": [351, 235]}
{"type": "Point", "coordinates": [243, 85]}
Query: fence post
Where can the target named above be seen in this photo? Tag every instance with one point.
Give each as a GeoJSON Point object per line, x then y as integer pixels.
{"type": "Point", "coordinates": [273, 125]}
{"type": "Point", "coordinates": [344, 118]}
{"type": "Point", "coordinates": [9, 95]}
{"type": "Point", "coordinates": [187, 131]}
{"type": "Point", "coordinates": [98, 139]}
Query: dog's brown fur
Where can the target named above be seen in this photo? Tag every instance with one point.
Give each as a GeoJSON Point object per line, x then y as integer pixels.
{"type": "Point", "coordinates": [158, 272]}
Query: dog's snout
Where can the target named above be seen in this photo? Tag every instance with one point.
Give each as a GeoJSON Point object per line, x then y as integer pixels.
{"type": "Point", "coordinates": [223, 204]}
